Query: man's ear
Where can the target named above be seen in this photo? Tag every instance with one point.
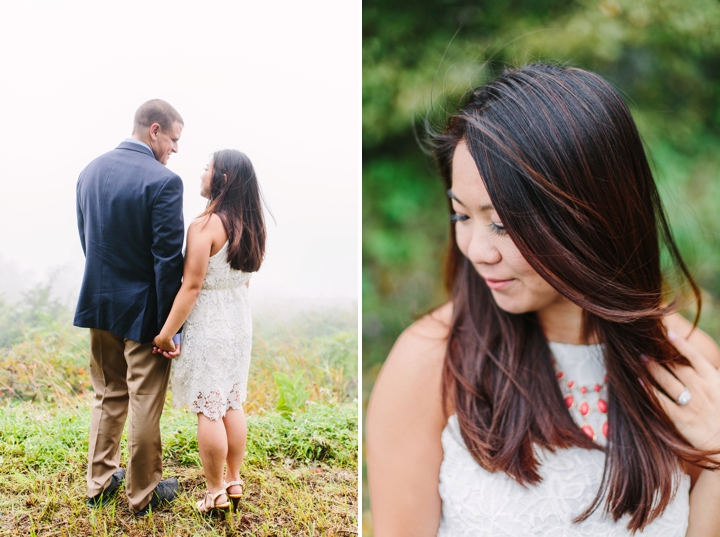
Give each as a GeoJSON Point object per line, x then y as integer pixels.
{"type": "Point", "coordinates": [154, 129]}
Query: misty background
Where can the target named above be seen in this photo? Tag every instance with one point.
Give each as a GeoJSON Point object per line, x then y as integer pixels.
{"type": "Point", "coordinates": [280, 83]}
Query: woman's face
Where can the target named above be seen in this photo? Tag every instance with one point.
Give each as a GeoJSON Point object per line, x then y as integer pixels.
{"type": "Point", "coordinates": [206, 180]}
{"type": "Point", "coordinates": [481, 237]}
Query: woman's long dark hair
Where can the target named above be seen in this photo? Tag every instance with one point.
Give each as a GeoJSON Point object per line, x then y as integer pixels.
{"type": "Point", "coordinates": [235, 198]}
{"type": "Point", "coordinates": [566, 171]}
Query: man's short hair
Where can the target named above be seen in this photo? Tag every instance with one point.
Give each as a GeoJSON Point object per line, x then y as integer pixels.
{"type": "Point", "coordinates": [156, 111]}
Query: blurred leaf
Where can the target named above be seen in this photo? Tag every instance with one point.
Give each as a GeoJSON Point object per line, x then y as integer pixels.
{"type": "Point", "coordinates": [293, 394]}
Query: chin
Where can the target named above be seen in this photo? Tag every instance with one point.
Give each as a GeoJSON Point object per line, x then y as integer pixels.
{"type": "Point", "coordinates": [511, 305]}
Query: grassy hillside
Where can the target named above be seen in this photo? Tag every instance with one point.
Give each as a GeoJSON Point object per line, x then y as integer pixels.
{"type": "Point", "coordinates": [301, 466]}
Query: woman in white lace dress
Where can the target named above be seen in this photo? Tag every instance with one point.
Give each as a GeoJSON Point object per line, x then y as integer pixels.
{"type": "Point", "coordinates": [557, 393]}
{"type": "Point", "coordinates": [224, 246]}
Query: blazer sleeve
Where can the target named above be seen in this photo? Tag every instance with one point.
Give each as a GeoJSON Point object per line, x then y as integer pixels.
{"type": "Point", "coordinates": [80, 218]}
{"type": "Point", "coordinates": [167, 241]}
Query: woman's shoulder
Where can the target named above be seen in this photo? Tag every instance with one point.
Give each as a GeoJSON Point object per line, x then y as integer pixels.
{"type": "Point", "coordinates": [424, 342]}
{"type": "Point", "coordinates": [411, 378]}
{"type": "Point", "coordinates": [697, 338]}
{"type": "Point", "coordinates": [210, 228]}
{"type": "Point", "coordinates": [405, 420]}
{"type": "Point", "coordinates": [406, 402]}
{"type": "Point", "coordinates": [205, 221]}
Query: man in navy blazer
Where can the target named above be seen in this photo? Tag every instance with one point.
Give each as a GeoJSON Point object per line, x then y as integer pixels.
{"type": "Point", "coordinates": [129, 211]}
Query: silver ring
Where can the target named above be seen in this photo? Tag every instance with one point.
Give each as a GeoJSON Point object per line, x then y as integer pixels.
{"type": "Point", "coordinates": [684, 397]}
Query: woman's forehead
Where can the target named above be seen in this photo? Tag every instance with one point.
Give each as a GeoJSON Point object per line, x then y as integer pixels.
{"type": "Point", "coordinates": [467, 184]}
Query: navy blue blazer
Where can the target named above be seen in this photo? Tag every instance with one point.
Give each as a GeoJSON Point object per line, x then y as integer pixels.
{"type": "Point", "coordinates": [129, 211]}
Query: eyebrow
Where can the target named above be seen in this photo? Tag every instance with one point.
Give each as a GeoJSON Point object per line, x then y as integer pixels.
{"type": "Point", "coordinates": [483, 208]}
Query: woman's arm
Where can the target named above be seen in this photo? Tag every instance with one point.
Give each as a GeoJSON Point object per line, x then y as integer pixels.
{"type": "Point", "coordinates": [704, 501]}
{"type": "Point", "coordinates": [698, 420]}
{"type": "Point", "coordinates": [404, 423]}
{"type": "Point", "coordinates": [203, 234]}
{"type": "Point", "coordinates": [705, 494]}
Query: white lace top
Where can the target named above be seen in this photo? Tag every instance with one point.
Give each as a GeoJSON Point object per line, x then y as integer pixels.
{"type": "Point", "coordinates": [478, 503]}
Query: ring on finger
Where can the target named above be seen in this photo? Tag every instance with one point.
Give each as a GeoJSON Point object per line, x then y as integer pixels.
{"type": "Point", "coordinates": [684, 398]}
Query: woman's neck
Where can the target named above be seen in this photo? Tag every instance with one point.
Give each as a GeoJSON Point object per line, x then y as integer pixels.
{"type": "Point", "coordinates": [562, 323]}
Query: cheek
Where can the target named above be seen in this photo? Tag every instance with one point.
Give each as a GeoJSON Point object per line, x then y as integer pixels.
{"type": "Point", "coordinates": [516, 262]}
{"type": "Point", "coordinates": [462, 238]}
{"type": "Point", "coordinates": [539, 291]}
{"type": "Point", "coordinates": [519, 265]}
{"type": "Point", "coordinates": [524, 271]}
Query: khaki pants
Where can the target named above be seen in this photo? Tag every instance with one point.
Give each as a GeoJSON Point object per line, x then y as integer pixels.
{"type": "Point", "coordinates": [126, 377]}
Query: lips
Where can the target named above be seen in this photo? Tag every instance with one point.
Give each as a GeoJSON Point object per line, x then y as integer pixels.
{"type": "Point", "coordinates": [498, 285]}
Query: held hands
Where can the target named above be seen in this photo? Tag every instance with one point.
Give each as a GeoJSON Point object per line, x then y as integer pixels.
{"type": "Point", "coordinates": [695, 389]}
{"type": "Point", "coordinates": [164, 345]}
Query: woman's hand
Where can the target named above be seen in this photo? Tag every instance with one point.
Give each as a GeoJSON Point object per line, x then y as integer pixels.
{"type": "Point", "coordinates": [164, 345]}
{"type": "Point", "coordinates": [698, 418]}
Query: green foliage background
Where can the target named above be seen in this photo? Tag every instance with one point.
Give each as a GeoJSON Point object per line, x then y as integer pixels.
{"type": "Point", "coordinates": [420, 56]}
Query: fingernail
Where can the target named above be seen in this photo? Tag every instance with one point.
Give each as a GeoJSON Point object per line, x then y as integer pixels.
{"type": "Point", "coordinates": [641, 382]}
{"type": "Point", "coordinates": [672, 336]}
{"type": "Point", "coordinates": [644, 358]}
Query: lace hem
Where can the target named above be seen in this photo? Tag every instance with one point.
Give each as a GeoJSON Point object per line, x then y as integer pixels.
{"type": "Point", "coordinates": [214, 405]}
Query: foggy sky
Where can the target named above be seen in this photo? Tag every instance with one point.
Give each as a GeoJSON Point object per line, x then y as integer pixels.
{"type": "Point", "coordinates": [280, 82]}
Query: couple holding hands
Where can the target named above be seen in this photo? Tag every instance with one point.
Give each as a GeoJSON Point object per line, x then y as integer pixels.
{"type": "Point", "coordinates": [137, 295]}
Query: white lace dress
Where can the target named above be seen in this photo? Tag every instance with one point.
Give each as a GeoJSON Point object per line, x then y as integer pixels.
{"type": "Point", "coordinates": [210, 375]}
{"type": "Point", "coordinates": [478, 503]}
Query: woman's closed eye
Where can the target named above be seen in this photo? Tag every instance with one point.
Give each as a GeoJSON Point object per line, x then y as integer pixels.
{"type": "Point", "coordinates": [496, 228]}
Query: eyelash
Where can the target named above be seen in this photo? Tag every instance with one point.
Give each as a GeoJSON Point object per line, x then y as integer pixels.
{"type": "Point", "coordinates": [493, 227]}
{"type": "Point", "coordinates": [497, 230]}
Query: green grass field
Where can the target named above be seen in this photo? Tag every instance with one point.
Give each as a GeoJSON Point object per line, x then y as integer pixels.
{"type": "Point", "coordinates": [301, 465]}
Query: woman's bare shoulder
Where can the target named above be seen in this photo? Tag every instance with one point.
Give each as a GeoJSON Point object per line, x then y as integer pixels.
{"type": "Point", "coordinates": [404, 424]}
{"type": "Point", "coordinates": [424, 342]}
{"type": "Point", "coordinates": [410, 381]}
{"type": "Point", "coordinates": [207, 222]}
{"type": "Point", "coordinates": [697, 338]}
{"type": "Point", "coordinates": [210, 230]}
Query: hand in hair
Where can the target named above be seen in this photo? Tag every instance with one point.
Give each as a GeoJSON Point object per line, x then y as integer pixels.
{"type": "Point", "coordinates": [697, 419]}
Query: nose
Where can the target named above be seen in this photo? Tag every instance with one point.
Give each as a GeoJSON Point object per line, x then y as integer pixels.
{"type": "Point", "coordinates": [174, 147]}
{"type": "Point", "coordinates": [482, 248]}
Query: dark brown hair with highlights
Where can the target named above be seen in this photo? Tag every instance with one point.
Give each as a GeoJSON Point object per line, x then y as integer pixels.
{"type": "Point", "coordinates": [566, 171]}
{"type": "Point", "coordinates": [235, 197]}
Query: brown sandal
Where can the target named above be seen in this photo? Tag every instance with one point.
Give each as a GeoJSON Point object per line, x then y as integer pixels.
{"type": "Point", "coordinates": [215, 508]}
{"type": "Point", "coordinates": [235, 498]}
